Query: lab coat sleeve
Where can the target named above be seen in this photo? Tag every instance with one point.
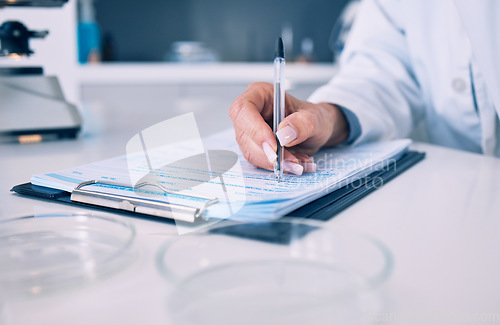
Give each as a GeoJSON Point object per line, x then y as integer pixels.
{"type": "Point", "coordinates": [354, 126]}
{"type": "Point", "coordinates": [375, 79]}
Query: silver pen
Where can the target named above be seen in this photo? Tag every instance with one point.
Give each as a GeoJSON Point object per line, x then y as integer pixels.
{"type": "Point", "coordinates": [279, 104]}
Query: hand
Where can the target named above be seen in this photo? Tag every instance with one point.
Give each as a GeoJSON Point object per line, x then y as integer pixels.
{"type": "Point", "coordinates": [306, 128]}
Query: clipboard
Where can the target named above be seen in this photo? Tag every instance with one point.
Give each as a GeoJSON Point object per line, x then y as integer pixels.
{"type": "Point", "coordinates": [323, 208]}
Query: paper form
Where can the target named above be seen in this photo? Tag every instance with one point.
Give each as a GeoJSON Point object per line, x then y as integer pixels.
{"type": "Point", "coordinates": [262, 196]}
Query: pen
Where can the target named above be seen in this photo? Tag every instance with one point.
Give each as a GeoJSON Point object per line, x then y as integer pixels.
{"type": "Point", "coordinates": [279, 104]}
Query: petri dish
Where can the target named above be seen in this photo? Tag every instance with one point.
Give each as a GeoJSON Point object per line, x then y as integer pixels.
{"type": "Point", "coordinates": [290, 271]}
{"type": "Point", "coordinates": [53, 252]}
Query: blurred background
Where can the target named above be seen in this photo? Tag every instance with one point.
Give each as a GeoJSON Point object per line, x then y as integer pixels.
{"type": "Point", "coordinates": [235, 30]}
{"type": "Point", "coordinates": [129, 64]}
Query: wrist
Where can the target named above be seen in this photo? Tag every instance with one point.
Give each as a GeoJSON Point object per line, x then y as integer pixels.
{"type": "Point", "coordinates": [337, 122]}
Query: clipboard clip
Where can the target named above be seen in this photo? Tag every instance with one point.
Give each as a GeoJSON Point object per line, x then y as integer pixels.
{"type": "Point", "coordinates": [139, 205]}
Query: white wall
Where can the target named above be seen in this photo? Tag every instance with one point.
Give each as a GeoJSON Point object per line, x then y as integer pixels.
{"type": "Point", "coordinates": [57, 53]}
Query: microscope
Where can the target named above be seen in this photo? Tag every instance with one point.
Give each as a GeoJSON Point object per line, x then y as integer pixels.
{"type": "Point", "coordinates": [32, 105]}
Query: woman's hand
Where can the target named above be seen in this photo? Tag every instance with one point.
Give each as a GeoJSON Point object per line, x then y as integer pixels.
{"type": "Point", "coordinates": [306, 128]}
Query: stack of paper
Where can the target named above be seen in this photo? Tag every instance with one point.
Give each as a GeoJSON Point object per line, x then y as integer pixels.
{"type": "Point", "coordinates": [243, 191]}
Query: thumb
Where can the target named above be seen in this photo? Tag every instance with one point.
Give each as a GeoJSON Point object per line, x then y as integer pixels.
{"type": "Point", "coordinates": [296, 128]}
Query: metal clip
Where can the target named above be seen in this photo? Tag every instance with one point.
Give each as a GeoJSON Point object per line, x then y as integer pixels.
{"type": "Point", "coordinates": [140, 205]}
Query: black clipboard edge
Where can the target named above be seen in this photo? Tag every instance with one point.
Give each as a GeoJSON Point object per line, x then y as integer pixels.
{"type": "Point", "coordinates": [331, 204]}
{"type": "Point", "coordinates": [51, 195]}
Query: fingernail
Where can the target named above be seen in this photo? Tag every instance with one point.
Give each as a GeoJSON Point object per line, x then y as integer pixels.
{"type": "Point", "coordinates": [268, 150]}
{"type": "Point", "coordinates": [293, 168]}
{"type": "Point", "coordinates": [286, 135]}
{"type": "Point", "coordinates": [309, 167]}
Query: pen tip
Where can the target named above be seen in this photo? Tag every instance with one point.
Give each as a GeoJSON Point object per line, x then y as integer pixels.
{"type": "Point", "coordinates": [280, 50]}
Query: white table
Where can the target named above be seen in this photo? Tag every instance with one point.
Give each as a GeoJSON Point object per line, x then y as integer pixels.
{"type": "Point", "coordinates": [440, 219]}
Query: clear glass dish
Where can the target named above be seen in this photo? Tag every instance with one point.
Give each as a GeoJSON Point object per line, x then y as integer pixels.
{"type": "Point", "coordinates": [290, 271]}
{"type": "Point", "coordinates": [53, 252]}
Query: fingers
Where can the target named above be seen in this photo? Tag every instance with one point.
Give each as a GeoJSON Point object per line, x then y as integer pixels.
{"type": "Point", "coordinates": [257, 97]}
{"type": "Point", "coordinates": [313, 126]}
{"type": "Point", "coordinates": [291, 164]}
{"type": "Point", "coordinates": [253, 134]}
{"type": "Point", "coordinates": [298, 163]}
{"type": "Point", "coordinates": [307, 163]}
{"type": "Point", "coordinates": [251, 114]}
{"type": "Point", "coordinates": [258, 155]}
{"type": "Point", "coordinates": [296, 128]}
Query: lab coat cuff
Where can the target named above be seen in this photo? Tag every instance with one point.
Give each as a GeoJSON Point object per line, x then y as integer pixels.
{"type": "Point", "coordinates": [353, 124]}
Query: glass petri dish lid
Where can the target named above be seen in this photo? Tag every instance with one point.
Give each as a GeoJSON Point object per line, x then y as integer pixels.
{"type": "Point", "coordinates": [53, 252]}
{"type": "Point", "coordinates": [289, 271]}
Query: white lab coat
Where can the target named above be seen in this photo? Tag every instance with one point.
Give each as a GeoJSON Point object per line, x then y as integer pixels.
{"type": "Point", "coordinates": [426, 66]}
